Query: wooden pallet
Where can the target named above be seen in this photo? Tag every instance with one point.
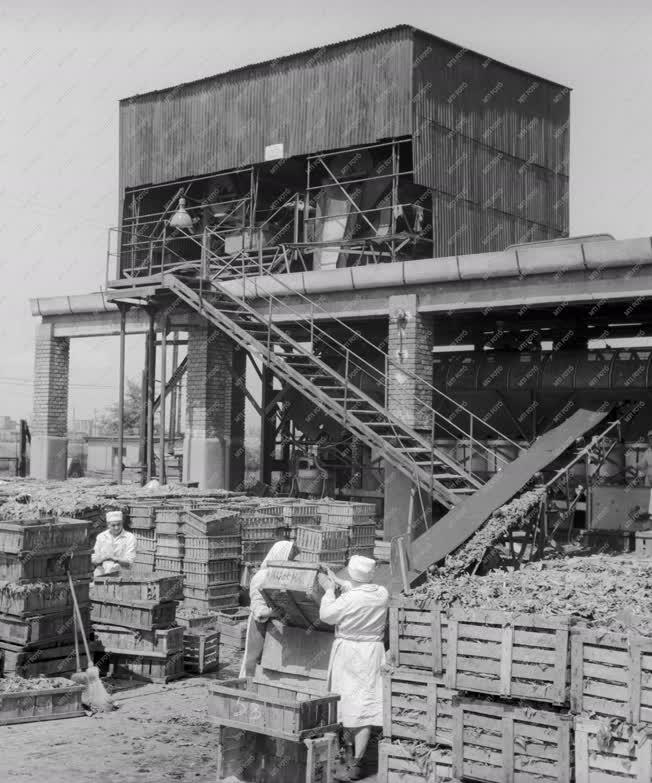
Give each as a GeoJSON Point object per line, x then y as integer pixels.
{"type": "Point", "coordinates": [503, 743]}
{"type": "Point", "coordinates": [279, 712]}
{"type": "Point", "coordinates": [245, 756]}
{"type": "Point", "coordinates": [417, 706]}
{"type": "Point", "coordinates": [145, 615]}
{"type": "Point", "coordinates": [418, 635]}
{"type": "Point", "coordinates": [611, 754]}
{"type": "Point", "coordinates": [408, 763]}
{"type": "Point", "coordinates": [38, 705]}
{"type": "Point", "coordinates": [611, 674]}
{"type": "Point", "coordinates": [515, 656]}
{"type": "Point", "coordinates": [201, 651]}
{"type": "Point", "coordinates": [147, 668]}
{"type": "Point", "coordinates": [137, 588]}
{"type": "Point", "coordinates": [55, 598]}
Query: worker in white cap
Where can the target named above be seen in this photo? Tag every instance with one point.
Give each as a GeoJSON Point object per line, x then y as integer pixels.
{"type": "Point", "coordinates": [260, 613]}
{"type": "Point", "coordinates": [645, 469]}
{"type": "Point", "coordinates": [115, 547]}
{"type": "Point", "coordinates": [359, 616]}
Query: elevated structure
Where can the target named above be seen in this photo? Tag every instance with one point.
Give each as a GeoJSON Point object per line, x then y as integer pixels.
{"type": "Point", "coordinates": [336, 216]}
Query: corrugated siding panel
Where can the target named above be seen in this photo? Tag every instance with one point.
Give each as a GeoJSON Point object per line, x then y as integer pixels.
{"type": "Point", "coordinates": [493, 142]}
{"type": "Point", "coordinates": [353, 93]}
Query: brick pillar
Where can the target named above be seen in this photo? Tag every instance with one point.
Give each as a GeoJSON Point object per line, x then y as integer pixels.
{"type": "Point", "coordinates": [207, 445]}
{"type": "Point", "coordinates": [49, 447]}
{"type": "Point", "coordinates": [409, 345]}
{"type": "Point", "coordinates": [238, 419]}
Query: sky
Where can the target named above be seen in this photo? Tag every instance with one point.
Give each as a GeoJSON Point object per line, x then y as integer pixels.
{"type": "Point", "coordinates": [65, 65]}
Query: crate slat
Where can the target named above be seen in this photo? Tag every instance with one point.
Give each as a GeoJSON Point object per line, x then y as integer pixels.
{"type": "Point", "coordinates": [418, 635]}
{"type": "Point", "coordinates": [201, 651]}
{"type": "Point", "coordinates": [626, 757]}
{"type": "Point", "coordinates": [403, 763]}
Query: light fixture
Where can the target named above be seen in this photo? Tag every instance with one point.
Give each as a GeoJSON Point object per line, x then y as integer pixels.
{"type": "Point", "coordinates": [181, 219]}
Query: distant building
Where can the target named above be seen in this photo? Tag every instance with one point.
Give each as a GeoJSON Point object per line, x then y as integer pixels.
{"type": "Point", "coordinates": [84, 426]}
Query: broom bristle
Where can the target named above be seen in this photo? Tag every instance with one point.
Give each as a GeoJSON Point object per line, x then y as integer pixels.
{"type": "Point", "coordinates": [79, 678]}
{"type": "Point", "coordinates": [95, 694]}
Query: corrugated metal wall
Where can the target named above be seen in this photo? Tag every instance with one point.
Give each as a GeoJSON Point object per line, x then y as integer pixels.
{"type": "Point", "coordinates": [493, 143]}
{"type": "Point", "coordinates": [350, 94]}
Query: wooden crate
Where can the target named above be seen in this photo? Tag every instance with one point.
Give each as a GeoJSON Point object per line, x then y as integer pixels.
{"type": "Point", "coordinates": [210, 522]}
{"type": "Point", "coordinates": [503, 654]}
{"type": "Point", "coordinates": [363, 536]}
{"type": "Point", "coordinates": [254, 552]}
{"type": "Point", "coordinates": [418, 635]}
{"type": "Point", "coordinates": [609, 540]}
{"type": "Point", "coordinates": [278, 712]}
{"type": "Point", "coordinates": [417, 706]}
{"type": "Point", "coordinates": [43, 535]}
{"type": "Point", "coordinates": [141, 516]}
{"type": "Point", "coordinates": [195, 620]}
{"type": "Point", "coordinates": [168, 565]}
{"type": "Point", "coordinates": [57, 661]}
{"type": "Point", "coordinates": [201, 651]}
{"type": "Point", "coordinates": [344, 513]}
{"type": "Point", "coordinates": [147, 668]}
{"type": "Point", "coordinates": [137, 588]}
{"type": "Point", "coordinates": [501, 743]}
{"type": "Point", "coordinates": [168, 530]}
{"type": "Point", "coordinates": [611, 674]}
{"type": "Point", "coordinates": [55, 628]}
{"type": "Point", "coordinates": [46, 704]}
{"type": "Point", "coordinates": [116, 639]}
{"type": "Point", "coordinates": [264, 529]}
{"type": "Point", "coordinates": [295, 651]}
{"type": "Point", "coordinates": [213, 548]}
{"type": "Point", "coordinates": [320, 539]}
{"type": "Point", "coordinates": [212, 598]}
{"type": "Point", "coordinates": [246, 755]}
{"type": "Point", "coordinates": [145, 615]}
{"type": "Point", "coordinates": [617, 753]}
{"type": "Point", "coordinates": [52, 597]}
{"type": "Point", "coordinates": [410, 763]}
{"type": "Point", "coordinates": [45, 568]}
{"type": "Point", "coordinates": [143, 564]}
{"type": "Point", "coordinates": [294, 590]}
{"type": "Point", "coordinates": [295, 512]}
{"type": "Point", "coordinates": [334, 559]}
{"type": "Point", "coordinates": [643, 543]}
{"type": "Point", "coordinates": [211, 572]}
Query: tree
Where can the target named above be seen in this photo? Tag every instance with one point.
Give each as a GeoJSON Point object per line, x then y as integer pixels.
{"type": "Point", "coordinates": [108, 423]}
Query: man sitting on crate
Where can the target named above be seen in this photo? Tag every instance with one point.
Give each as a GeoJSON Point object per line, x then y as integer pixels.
{"type": "Point", "coordinates": [358, 654]}
{"type": "Point", "coordinates": [115, 547]}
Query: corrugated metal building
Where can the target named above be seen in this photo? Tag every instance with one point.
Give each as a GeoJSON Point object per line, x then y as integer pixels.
{"type": "Point", "coordinates": [490, 141]}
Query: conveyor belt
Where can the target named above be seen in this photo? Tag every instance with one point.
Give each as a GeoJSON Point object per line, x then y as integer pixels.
{"type": "Point", "coordinates": [461, 522]}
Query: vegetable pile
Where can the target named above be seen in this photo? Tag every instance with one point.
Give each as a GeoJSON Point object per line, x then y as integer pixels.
{"type": "Point", "coordinates": [599, 590]}
{"type": "Point", "coordinates": [18, 684]}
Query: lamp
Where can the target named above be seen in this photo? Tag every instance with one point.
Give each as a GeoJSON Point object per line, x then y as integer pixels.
{"type": "Point", "coordinates": [181, 219]}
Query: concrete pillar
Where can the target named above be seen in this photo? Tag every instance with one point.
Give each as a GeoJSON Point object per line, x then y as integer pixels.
{"type": "Point", "coordinates": [49, 447]}
{"type": "Point", "coordinates": [409, 345]}
{"type": "Point", "coordinates": [207, 445]}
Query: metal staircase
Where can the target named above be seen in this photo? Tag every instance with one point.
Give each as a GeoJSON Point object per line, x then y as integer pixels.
{"type": "Point", "coordinates": [337, 394]}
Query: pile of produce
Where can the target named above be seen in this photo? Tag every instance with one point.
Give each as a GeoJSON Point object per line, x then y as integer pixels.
{"type": "Point", "coordinates": [512, 516]}
{"type": "Point", "coordinates": [31, 499]}
{"type": "Point", "coordinates": [600, 590]}
{"type": "Point", "coordinates": [18, 684]}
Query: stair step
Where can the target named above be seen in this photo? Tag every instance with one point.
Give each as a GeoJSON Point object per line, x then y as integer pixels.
{"type": "Point", "coordinates": [440, 476]}
{"type": "Point", "coordinates": [463, 490]}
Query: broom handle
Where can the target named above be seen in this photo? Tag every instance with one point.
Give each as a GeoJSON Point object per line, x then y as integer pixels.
{"type": "Point", "coordinates": [74, 625]}
{"type": "Point", "coordinates": [80, 621]}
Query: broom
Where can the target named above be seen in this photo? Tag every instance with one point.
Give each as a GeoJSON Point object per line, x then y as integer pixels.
{"type": "Point", "coordinates": [94, 695]}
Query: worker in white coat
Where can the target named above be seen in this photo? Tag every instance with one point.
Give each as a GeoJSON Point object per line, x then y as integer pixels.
{"type": "Point", "coordinates": [260, 612]}
{"type": "Point", "coordinates": [358, 654]}
{"type": "Point", "coordinates": [115, 548]}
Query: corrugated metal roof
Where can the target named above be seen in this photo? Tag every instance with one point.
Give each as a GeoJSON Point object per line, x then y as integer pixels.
{"type": "Point", "coordinates": [327, 47]}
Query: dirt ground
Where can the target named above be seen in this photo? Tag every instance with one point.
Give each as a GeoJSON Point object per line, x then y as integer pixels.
{"type": "Point", "coordinates": [159, 733]}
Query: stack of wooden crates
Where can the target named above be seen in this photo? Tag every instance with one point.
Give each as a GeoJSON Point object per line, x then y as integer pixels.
{"type": "Point", "coordinates": [134, 625]}
{"type": "Point", "coordinates": [281, 724]}
{"type": "Point", "coordinates": [496, 696]}
{"type": "Point", "coordinates": [36, 607]}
